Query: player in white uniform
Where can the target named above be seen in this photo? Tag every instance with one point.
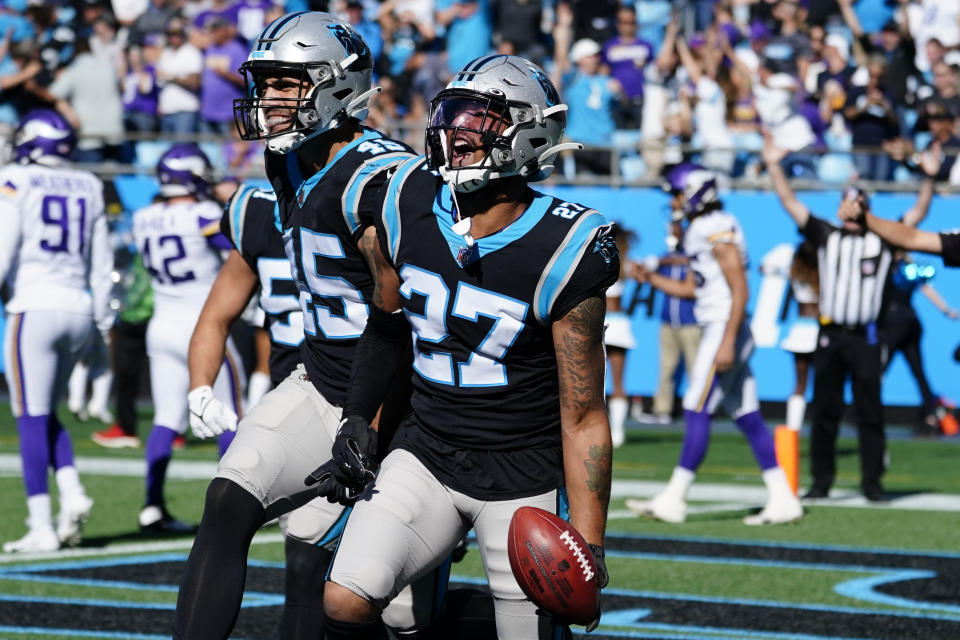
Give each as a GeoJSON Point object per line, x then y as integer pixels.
{"type": "Point", "coordinates": [55, 263]}
{"type": "Point", "coordinates": [180, 241]}
{"type": "Point", "coordinates": [721, 372]}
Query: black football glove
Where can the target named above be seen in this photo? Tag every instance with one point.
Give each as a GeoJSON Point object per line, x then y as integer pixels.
{"type": "Point", "coordinates": [327, 486]}
{"type": "Point", "coordinates": [603, 578]}
{"type": "Point", "coordinates": [355, 453]}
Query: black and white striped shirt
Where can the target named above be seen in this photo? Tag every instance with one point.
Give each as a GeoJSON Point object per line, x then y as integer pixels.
{"type": "Point", "coordinates": [853, 270]}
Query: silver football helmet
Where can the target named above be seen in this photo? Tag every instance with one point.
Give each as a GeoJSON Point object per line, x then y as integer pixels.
{"type": "Point", "coordinates": [500, 116]}
{"type": "Point", "coordinates": [325, 58]}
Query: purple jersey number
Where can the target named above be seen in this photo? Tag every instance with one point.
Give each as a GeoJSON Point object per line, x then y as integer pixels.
{"type": "Point", "coordinates": [178, 253]}
{"type": "Point", "coordinates": [55, 213]}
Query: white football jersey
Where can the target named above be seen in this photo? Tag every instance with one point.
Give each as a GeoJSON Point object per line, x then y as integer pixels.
{"type": "Point", "coordinates": [173, 240]}
{"type": "Point", "coordinates": [713, 299]}
{"type": "Point", "coordinates": [55, 250]}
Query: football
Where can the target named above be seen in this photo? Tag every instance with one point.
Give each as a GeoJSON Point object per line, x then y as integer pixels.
{"type": "Point", "coordinates": [553, 565]}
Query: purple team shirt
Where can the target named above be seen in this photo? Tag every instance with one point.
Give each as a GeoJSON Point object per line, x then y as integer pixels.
{"type": "Point", "coordinates": [250, 17]}
{"type": "Point", "coordinates": [627, 61]}
{"type": "Point", "coordinates": [217, 94]}
{"type": "Point", "coordinates": [135, 100]}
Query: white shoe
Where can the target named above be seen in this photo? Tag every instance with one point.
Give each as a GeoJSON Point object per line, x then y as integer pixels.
{"type": "Point", "coordinates": [779, 511]}
{"type": "Point", "coordinates": [618, 437]}
{"type": "Point", "coordinates": [103, 414]}
{"type": "Point", "coordinates": [74, 407]}
{"type": "Point", "coordinates": [74, 512]}
{"type": "Point", "coordinates": [652, 418]}
{"type": "Point", "coordinates": [36, 541]}
{"type": "Point", "coordinates": [662, 507]}
{"type": "Point", "coordinates": [156, 520]}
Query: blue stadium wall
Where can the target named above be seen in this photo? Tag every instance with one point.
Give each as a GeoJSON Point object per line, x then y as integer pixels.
{"type": "Point", "coordinates": [770, 237]}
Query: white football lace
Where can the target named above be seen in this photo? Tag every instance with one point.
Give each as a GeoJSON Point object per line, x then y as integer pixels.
{"type": "Point", "coordinates": [578, 553]}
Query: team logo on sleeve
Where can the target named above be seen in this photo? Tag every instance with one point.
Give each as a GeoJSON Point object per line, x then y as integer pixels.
{"type": "Point", "coordinates": [606, 246]}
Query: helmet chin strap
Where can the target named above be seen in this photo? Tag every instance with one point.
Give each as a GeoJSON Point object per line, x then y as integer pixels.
{"type": "Point", "coordinates": [461, 225]}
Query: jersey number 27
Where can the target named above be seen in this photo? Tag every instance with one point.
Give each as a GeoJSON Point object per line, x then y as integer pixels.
{"type": "Point", "coordinates": [483, 368]}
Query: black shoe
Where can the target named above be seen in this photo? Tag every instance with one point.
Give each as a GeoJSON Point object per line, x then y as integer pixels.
{"type": "Point", "coordinates": [156, 520]}
{"type": "Point", "coordinates": [815, 493]}
{"type": "Point", "coordinates": [874, 494]}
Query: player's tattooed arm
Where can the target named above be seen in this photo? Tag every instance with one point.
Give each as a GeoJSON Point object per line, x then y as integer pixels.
{"type": "Point", "coordinates": [587, 450]}
{"type": "Point", "coordinates": [386, 289]}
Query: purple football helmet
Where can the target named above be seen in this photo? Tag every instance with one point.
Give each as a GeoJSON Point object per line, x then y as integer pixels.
{"type": "Point", "coordinates": [184, 170]}
{"type": "Point", "coordinates": [697, 184]}
{"type": "Point", "coordinates": [43, 137]}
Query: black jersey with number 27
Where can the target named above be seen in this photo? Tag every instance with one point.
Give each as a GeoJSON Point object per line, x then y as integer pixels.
{"type": "Point", "coordinates": [486, 399]}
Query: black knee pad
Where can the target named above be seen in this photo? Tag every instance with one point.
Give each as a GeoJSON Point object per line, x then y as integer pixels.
{"type": "Point", "coordinates": [229, 509]}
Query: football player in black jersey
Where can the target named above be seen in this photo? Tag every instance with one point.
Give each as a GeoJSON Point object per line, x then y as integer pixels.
{"type": "Point", "coordinates": [308, 80]}
{"type": "Point", "coordinates": [257, 261]}
{"type": "Point", "coordinates": [504, 289]}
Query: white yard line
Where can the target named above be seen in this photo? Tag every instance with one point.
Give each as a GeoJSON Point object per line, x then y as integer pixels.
{"type": "Point", "coordinates": [745, 497]}
{"type": "Point", "coordinates": [270, 535]}
{"type": "Point", "coordinates": [127, 467]}
{"type": "Point", "coordinates": [732, 497]}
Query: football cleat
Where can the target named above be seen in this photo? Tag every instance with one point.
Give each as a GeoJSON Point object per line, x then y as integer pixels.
{"type": "Point", "coordinates": [40, 540]}
{"type": "Point", "coordinates": [663, 506]}
{"type": "Point", "coordinates": [617, 436]}
{"type": "Point", "coordinates": [77, 410]}
{"type": "Point", "coordinates": [157, 520]}
{"type": "Point", "coordinates": [100, 413]}
{"type": "Point", "coordinates": [652, 418]}
{"type": "Point", "coordinates": [779, 511]}
{"type": "Point", "coordinates": [74, 512]}
{"type": "Point", "coordinates": [114, 437]}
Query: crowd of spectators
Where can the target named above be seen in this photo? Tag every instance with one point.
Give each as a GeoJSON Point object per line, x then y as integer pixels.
{"type": "Point", "coordinates": [852, 88]}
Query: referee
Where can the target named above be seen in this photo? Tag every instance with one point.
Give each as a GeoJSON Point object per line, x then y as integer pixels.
{"type": "Point", "coordinates": [853, 270]}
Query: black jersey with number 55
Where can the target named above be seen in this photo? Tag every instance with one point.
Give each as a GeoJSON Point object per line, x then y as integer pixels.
{"type": "Point", "coordinates": [322, 217]}
{"type": "Point", "coordinates": [250, 222]}
{"type": "Point", "coordinates": [486, 370]}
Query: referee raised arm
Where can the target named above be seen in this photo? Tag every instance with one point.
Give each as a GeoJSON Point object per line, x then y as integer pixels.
{"type": "Point", "coordinates": [944, 243]}
{"type": "Point", "coordinates": [853, 269]}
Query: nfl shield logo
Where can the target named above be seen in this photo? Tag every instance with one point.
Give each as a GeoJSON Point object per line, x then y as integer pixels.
{"type": "Point", "coordinates": [467, 254]}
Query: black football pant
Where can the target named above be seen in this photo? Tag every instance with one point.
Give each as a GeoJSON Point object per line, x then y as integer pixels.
{"type": "Point", "coordinates": [129, 363]}
{"type": "Point", "coordinates": [843, 353]}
